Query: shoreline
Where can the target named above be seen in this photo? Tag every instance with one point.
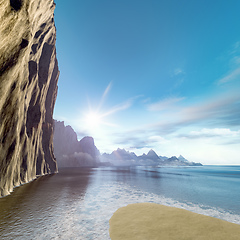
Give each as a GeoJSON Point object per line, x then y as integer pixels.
{"type": "Point", "coordinates": [155, 221]}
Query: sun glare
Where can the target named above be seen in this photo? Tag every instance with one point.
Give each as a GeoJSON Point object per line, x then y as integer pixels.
{"type": "Point", "coordinates": [93, 120]}
{"type": "Point", "coordinates": [96, 117]}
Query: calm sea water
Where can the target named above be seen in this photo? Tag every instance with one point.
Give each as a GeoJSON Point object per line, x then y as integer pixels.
{"type": "Point", "coordinates": [77, 203]}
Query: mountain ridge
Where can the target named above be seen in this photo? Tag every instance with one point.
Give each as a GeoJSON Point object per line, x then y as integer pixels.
{"type": "Point", "coordinates": [121, 157]}
{"type": "Point", "coordinates": [70, 152]}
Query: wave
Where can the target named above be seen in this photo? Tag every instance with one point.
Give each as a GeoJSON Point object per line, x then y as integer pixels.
{"type": "Point", "coordinates": [103, 200]}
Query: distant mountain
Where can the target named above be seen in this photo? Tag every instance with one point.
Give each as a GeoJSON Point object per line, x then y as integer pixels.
{"type": "Point", "coordinates": [121, 157]}
{"type": "Point", "coordinates": [152, 155]}
{"type": "Point", "coordinates": [122, 154]}
{"type": "Point", "coordinates": [64, 140]}
{"type": "Point", "coordinates": [163, 157]}
{"type": "Point", "coordinates": [70, 152]}
{"type": "Point", "coordinates": [151, 158]}
{"type": "Point", "coordinates": [180, 161]}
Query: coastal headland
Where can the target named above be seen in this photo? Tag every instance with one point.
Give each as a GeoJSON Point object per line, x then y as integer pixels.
{"type": "Point", "coordinates": [28, 90]}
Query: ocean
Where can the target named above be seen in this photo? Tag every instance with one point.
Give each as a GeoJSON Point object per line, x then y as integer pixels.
{"type": "Point", "coordinates": [77, 203]}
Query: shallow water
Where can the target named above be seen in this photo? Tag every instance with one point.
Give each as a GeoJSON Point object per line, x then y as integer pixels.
{"type": "Point", "coordinates": [77, 203]}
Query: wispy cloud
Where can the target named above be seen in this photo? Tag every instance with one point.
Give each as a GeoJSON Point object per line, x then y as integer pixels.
{"type": "Point", "coordinates": [179, 82]}
{"type": "Point", "coordinates": [220, 113]}
{"type": "Point", "coordinates": [212, 133]}
{"type": "Point", "coordinates": [140, 141]}
{"type": "Point", "coordinates": [230, 77]}
{"type": "Point", "coordinates": [178, 71]}
{"type": "Point", "coordinates": [164, 104]}
{"type": "Point", "coordinates": [234, 65]}
{"type": "Point", "coordinates": [236, 60]}
{"type": "Point", "coordinates": [235, 49]}
{"type": "Point", "coordinates": [219, 136]}
{"type": "Point", "coordinates": [131, 141]}
{"type": "Point", "coordinates": [178, 74]}
{"type": "Point", "coordinates": [119, 107]}
{"type": "Point", "coordinates": [122, 106]}
{"type": "Point", "coordinates": [104, 95]}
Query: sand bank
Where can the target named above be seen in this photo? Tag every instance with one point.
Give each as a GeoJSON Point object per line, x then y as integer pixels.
{"type": "Point", "coordinates": [150, 221]}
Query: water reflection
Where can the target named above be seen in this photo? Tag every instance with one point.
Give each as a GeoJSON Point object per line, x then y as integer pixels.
{"type": "Point", "coordinates": [77, 203]}
{"type": "Point", "coordinates": [38, 206]}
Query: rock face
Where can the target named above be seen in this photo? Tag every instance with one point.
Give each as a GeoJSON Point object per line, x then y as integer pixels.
{"type": "Point", "coordinates": [64, 140]}
{"type": "Point", "coordinates": [28, 89]}
{"type": "Point", "coordinates": [70, 152]}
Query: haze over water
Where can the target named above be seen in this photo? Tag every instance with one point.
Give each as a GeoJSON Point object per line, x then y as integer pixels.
{"type": "Point", "coordinates": [78, 203]}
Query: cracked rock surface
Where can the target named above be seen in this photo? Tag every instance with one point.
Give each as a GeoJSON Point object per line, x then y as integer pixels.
{"type": "Point", "coordinates": [28, 89]}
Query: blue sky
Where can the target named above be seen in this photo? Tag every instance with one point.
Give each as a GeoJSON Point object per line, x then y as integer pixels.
{"type": "Point", "coordinates": [142, 74]}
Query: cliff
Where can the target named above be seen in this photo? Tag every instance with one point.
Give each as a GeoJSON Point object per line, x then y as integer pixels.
{"type": "Point", "coordinates": [64, 140]}
{"type": "Point", "coordinates": [70, 152]}
{"type": "Point", "coordinates": [28, 90]}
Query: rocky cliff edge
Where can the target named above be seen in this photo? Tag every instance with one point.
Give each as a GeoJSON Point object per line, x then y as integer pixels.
{"type": "Point", "coordinates": [28, 89]}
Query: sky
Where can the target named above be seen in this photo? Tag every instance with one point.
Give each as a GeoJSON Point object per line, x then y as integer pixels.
{"type": "Point", "coordinates": [152, 74]}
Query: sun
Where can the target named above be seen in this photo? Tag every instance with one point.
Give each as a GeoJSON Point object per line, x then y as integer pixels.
{"type": "Point", "coordinates": [93, 120]}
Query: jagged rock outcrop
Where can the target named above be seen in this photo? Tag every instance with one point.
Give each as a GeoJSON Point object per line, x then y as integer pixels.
{"type": "Point", "coordinates": [65, 139]}
{"type": "Point", "coordinates": [70, 152]}
{"type": "Point", "coordinates": [28, 90]}
{"type": "Point", "coordinates": [86, 145]}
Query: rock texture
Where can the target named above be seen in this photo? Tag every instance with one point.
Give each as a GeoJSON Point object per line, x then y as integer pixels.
{"type": "Point", "coordinates": [28, 89]}
{"type": "Point", "coordinates": [70, 152]}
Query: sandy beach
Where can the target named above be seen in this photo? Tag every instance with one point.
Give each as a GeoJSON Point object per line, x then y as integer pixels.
{"type": "Point", "coordinates": [144, 221]}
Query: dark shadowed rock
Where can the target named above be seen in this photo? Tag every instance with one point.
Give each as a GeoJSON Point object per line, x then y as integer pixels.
{"type": "Point", "coordinates": [28, 90]}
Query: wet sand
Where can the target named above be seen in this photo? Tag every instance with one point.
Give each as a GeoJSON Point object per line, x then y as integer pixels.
{"type": "Point", "coordinates": [145, 221]}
